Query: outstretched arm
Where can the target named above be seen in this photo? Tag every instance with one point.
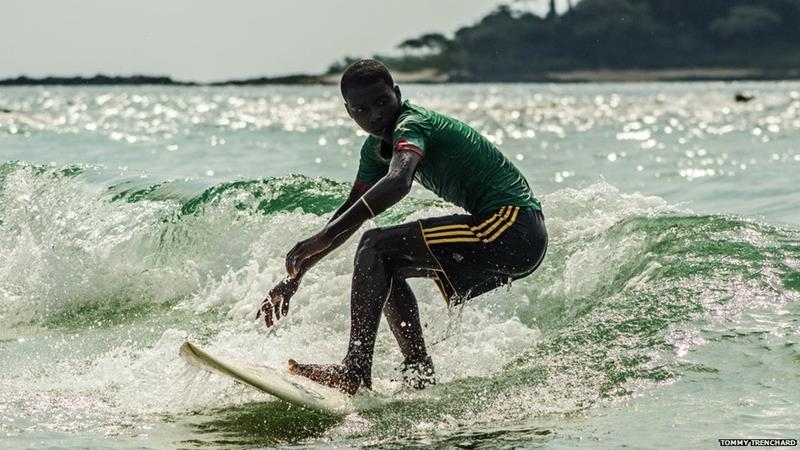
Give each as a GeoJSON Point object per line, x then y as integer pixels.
{"type": "Point", "coordinates": [356, 192]}
{"type": "Point", "coordinates": [345, 221]}
{"type": "Point", "coordinates": [277, 300]}
{"type": "Point", "coordinates": [385, 193]}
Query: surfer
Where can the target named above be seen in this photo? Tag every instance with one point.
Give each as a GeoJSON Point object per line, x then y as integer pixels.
{"type": "Point", "coordinates": [502, 238]}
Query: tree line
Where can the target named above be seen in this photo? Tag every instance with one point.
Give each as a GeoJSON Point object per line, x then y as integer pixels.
{"type": "Point", "coordinates": [512, 44]}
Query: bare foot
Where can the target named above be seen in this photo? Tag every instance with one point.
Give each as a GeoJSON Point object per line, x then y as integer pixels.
{"type": "Point", "coordinates": [332, 375]}
{"type": "Point", "coordinates": [419, 373]}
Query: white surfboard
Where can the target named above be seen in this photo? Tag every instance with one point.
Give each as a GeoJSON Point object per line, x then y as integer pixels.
{"type": "Point", "coordinates": [286, 386]}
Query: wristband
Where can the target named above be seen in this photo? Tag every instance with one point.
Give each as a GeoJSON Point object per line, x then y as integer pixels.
{"type": "Point", "coordinates": [367, 205]}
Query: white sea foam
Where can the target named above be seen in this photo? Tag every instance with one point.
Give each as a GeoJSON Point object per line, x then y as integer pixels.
{"type": "Point", "coordinates": [219, 263]}
{"type": "Point", "coordinates": [95, 295]}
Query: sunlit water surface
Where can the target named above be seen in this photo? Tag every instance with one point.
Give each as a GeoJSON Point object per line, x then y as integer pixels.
{"type": "Point", "coordinates": [134, 218]}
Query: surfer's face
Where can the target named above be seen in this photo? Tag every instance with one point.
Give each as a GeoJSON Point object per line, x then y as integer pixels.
{"type": "Point", "coordinates": [375, 107]}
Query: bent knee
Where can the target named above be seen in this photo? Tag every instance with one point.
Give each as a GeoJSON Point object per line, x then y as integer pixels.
{"type": "Point", "coordinates": [370, 244]}
{"type": "Point", "coordinates": [370, 239]}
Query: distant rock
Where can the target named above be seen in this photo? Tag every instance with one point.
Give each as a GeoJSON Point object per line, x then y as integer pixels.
{"type": "Point", "coordinates": [288, 79]}
{"type": "Point", "coordinates": [98, 80]}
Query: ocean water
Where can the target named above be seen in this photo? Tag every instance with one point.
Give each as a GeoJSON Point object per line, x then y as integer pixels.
{"type": "Point", "coordinates": [666, 314]}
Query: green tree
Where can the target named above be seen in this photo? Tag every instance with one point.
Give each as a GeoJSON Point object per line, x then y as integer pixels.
{"type": "Point", "coordinates": [505, 44]}
{"type": "Point", "coordinates": [745, 22]}
{"type": "Point", "coordinates": [430, 43]}
{"type": "Point", "coordinates": [611, 33]}
{"type": "Point", "coordinates": [511, 44]}
{"type": "Point", "coordinates": [339, 66]}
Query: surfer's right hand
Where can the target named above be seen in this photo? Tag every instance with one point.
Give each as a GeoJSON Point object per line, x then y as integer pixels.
{"type": "Point", "coordinates": [277, 301]}
{"type": "Point", "coordinates": [301, 256]}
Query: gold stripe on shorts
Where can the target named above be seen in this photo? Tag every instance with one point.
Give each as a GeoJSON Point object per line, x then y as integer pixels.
{"type": "Point", "coordinates": [504, 227]}
{"type": "Point", "coordinates": [490, 219]}
{"type": "Point", "coordinates": [499, 221]}
{"type": "Point", "coordinates": [450, 233]}
{"type": "Point", "coordinates": [456, 226]}
{"type": "Point", "coordinates": [496, 223]}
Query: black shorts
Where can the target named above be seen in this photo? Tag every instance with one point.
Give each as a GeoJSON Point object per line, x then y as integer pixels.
{"type": "Point", "coordinates": [479, 253]}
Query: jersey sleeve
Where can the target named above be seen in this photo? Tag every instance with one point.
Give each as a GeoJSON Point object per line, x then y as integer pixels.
{"type": "Point", "coordinates": [371, 167]}
{"type": "Point", "coordinates": [411, 134]}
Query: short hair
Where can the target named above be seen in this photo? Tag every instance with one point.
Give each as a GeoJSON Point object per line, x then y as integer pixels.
{"type": "Point", "coordinates": [364, 72]}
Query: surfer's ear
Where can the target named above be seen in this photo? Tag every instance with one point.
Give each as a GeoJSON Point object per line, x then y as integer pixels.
{"type": "Point", "coordinates": [397, 93]}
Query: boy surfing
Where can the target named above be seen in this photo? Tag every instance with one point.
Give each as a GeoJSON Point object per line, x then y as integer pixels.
{"type": "Point", "coordinates": [501, 238]}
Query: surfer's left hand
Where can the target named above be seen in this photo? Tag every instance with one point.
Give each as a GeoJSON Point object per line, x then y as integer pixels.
{"type": "Point", "coordinates": [277, 301]}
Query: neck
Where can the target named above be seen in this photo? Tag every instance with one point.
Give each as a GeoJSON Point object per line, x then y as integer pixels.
{"type": "Point", "coordinates": [387, 136]}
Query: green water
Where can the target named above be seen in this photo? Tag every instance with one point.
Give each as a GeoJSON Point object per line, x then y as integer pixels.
{"type": "Point", "coordinates": [666, 313]}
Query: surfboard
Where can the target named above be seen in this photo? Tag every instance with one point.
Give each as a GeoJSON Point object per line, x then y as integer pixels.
{"type": "Point", "coordinates": [288, 387]}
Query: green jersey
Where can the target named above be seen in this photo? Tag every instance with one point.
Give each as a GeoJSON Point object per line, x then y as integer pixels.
{"type": "Point", "coordinates": [458, 163]}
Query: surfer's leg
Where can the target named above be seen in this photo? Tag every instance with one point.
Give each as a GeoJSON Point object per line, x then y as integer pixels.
{"type": "Point", "coordinates": [383, 256]}
{"type": "Point", "coordinates": [402, 314]}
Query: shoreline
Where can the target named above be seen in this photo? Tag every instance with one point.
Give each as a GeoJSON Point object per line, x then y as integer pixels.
{"type": "Point", "coordinates": [683, 74]}
{"type": "Point", "coordinates": [431, 76]}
